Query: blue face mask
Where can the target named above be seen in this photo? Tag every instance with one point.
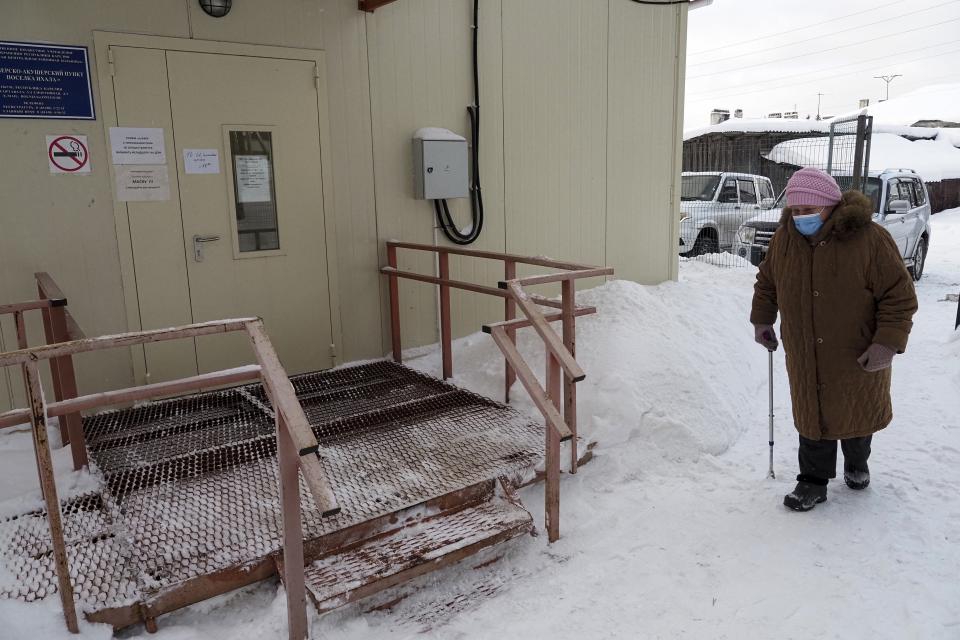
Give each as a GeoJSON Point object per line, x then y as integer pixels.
{"type": "Point", "coordinates": [808, 225]}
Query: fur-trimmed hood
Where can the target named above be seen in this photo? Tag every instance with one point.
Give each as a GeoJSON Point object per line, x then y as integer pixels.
{"type": "Point", "coordinates": [854, 213]}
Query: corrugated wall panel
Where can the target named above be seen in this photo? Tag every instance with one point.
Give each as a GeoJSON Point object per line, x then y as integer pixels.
{"type": "Point", "coordinates": [470, 310]}
{"type": "Point", "coordinates": [555, 105]}
{"type": "Point", "coordinates": [351, 163]}
{"type": "Point", "coordinates": [420, 75]}
{"type": "Point", "coordinates": [645, 109]}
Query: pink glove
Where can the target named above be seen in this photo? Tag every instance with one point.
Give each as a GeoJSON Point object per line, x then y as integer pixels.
{"type": "Point", "coordinates": [876, 357]}
{"type": "Point", "coordinates": [765, 336]}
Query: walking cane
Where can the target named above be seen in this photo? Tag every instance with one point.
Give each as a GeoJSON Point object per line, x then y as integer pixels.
{"type": "Point", "coordinates": [770, 473]}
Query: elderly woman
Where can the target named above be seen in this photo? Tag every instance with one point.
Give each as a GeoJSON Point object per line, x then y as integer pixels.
{"type": "Point", "coordinates": [845, 301]}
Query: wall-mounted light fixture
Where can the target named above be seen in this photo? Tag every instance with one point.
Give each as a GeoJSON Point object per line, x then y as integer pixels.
{"type": "Point", "coordinates": [216, 8]}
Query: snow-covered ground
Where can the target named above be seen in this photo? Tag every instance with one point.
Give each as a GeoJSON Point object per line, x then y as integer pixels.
{"type": "Point", "coordinates": [673, 531]}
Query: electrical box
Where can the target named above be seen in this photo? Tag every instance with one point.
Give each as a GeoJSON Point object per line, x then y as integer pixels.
{"type": "Point", "coordinates": [440, 165]}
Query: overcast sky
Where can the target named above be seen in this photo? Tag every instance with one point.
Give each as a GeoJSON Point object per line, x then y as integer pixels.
{"type": "Point", "coordinates": [766, 56]}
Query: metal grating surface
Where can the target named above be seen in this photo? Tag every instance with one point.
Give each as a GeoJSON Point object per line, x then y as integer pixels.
{"type": "Point", "coordinates": [191, 483]}
{"type": "Point", "coordinates": [332, 578]}
{"type": "Point", "coordinates": [99, 560]}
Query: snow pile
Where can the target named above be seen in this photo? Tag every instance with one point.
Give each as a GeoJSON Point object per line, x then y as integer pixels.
{"type": "Point", "coordinates": [934, 160]}
{"type": "Point", "coordinates": [661, 361]}
{"type": "Point", "coordinates": [20, 489]}
{"type": "Point", "coordinates": [936, 102]}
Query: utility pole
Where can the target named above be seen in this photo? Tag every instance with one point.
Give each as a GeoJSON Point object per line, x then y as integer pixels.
{"type": "Point", "coordinates": [888, 80]}
{"type": "Point", "coordinates": [819, 95]}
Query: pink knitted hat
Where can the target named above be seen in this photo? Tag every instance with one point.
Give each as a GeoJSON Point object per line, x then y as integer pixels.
{"type": "Point", "coordinates": [812, 187]}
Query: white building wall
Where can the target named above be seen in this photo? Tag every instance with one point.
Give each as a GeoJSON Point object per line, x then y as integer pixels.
{"type": "Point", "coordinates": [581, 104]}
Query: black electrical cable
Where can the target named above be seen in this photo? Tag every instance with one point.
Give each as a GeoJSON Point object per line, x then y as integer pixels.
{"type": "Point", "coordinates": [666, 3]}
{"type": "Point", "coordinates": [444, 219]}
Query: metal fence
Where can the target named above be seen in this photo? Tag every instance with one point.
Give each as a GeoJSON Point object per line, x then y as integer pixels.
{"type": "Point", "coordinates": [732, 192]}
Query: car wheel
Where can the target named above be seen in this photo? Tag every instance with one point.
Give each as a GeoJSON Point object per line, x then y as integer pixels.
{"type": "Point", "coordinates": [706, 242]}
{"type": "Point", "coordinates": [919, 258]}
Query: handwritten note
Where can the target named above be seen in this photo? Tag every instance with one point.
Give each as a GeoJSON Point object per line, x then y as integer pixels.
{"type": "Point", "coordinates": [201, 161]}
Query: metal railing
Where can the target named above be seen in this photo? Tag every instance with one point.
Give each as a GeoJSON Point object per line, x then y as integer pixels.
{"type": "Point", "coordinates": [297, 446]}
{"type": "Point", "coordinates": [562, 369]}
{"type": "Point", "coordinates": [58, 326]}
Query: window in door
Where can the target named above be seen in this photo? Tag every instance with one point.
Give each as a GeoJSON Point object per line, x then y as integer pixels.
{"type": "Point", "coordinates": [897, 191]}
{"type": "Point", "coordinates": [766, 189]}
{"type": "Point", "coordinates": [748, 192]}
{"type": "Point", "coordinates": [905, 188]}
{"type": "Point", "coordinates": [729, 192]}
{"type": "Point", "coordinates": [254, 191]}
{"type": "Point", "coordinates": [921, 196]}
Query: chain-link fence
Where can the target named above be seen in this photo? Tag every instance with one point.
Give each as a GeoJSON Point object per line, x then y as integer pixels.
{"type": "Point", "coordinates": [732, 188]}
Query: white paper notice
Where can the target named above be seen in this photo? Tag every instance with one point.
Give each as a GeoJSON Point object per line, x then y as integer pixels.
{"type": "Point", "coordinates": [143, 184]}
{"type": "Point", "coordinates": [253, 178]}
{"type": "Point", "coordinates": [201, 161]}
{"type": "Point", "coordinates": [137, 145]}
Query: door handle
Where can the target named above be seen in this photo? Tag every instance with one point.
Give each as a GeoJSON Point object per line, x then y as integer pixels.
{"type": "Point", "coordinates": [198, 242]}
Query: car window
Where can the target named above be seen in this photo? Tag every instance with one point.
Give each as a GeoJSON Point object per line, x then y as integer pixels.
{"type": "Point", "coordinates": [748, 192]}
{"type": "Point", "coordinates": [698, 187]}
{"type": "Point", "coordinates": [893, 189]}
{"type": "Point", "coordinates": [919, 191]}
{"type": "Point", "coordinates": [906, 192]}
{"type": "Point", "coordinates": [872, 191]}
{"type": "Point", "coordinates": [729, 192]}
{"type": "Point", "coordinates": [766, 189]}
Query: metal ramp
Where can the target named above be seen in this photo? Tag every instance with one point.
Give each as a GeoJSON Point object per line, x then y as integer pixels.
{"type": "Point", "coordinates": [345, 482]}
{"type": "Point", "coordinates": [190, 508]}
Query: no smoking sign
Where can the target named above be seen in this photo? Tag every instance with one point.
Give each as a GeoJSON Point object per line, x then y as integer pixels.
{"type": "Point", "coordinates": [68, 154]}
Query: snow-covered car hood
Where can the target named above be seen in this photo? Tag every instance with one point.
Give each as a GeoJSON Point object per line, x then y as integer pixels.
{"type": "Point", "coordinates": [770, 215]}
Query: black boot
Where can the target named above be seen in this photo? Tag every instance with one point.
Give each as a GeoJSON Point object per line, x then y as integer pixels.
{"type": "Point", "coordinates": [857, 478]}
{"type": "Point", "coordinates": [805, 496]}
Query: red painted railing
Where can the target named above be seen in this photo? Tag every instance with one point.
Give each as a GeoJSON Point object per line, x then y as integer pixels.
{"type": "Point", "coordinates": [560, 348]}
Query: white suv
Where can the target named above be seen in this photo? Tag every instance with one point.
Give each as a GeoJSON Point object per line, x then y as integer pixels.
{"type": "Point", "coordinates": [713, 205]}
{"type": "Point", "coordinates": [900, 204]}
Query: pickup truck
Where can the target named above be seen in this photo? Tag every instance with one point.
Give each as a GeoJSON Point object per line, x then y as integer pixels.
{"type": "Point", "coordinates": [901, 205]}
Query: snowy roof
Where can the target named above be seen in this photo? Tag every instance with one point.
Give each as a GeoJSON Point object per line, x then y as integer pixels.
{"type": "Point", "coordinates": [936, 102]}
{"type": "Point", "coordinates": [761, 125]}
{"type": "Point", "coordinates": [934, 160]}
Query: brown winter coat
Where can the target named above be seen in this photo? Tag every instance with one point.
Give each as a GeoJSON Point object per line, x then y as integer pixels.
{"type": "Point", "coordinates": [836, 293]}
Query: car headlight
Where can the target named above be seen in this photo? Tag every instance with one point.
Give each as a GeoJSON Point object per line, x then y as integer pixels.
{"type": "Point", "coordinates": [747, 234]}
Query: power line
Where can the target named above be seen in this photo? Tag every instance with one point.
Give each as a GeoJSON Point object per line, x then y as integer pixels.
{"type": "Point", "coordinates": [794, 30]}
{"type": "Point", "coordinates": [821, 36]}
{"type": "Point", "coordinates": [834, 68]}
{"type": "Point", "coordinates": [838, 75]}
{"type": "Point", "coordinates": [843, 46]}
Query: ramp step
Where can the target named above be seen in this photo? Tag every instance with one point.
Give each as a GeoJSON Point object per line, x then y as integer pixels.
{"type": "Point", "coordinates": [400, 555]}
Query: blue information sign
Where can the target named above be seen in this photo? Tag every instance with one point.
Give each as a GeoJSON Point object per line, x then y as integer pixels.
{"type": "Point", "coordinates": [45, 81]}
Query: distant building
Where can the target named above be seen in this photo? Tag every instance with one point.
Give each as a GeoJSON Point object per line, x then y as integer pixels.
{"type": "Point", "coordinates": [864, 103]}
{"type": "Point", "coordinates": [738, 113]}
{"type": "Point", "coordinates": [719, 115]}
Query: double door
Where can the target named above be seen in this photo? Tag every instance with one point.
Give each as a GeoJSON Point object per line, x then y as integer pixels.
{"type": "Point", "coordinates": [242, 231]}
